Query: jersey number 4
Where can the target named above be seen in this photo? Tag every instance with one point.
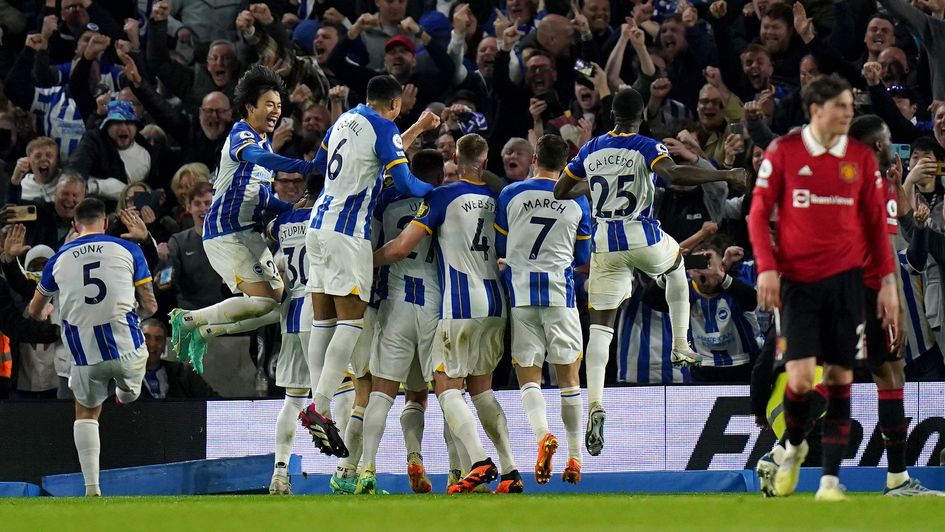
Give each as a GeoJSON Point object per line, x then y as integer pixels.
{"type": "Point", "coordinates": [622, 192]}
{"type": "Point", "coordinates": [480, 241]}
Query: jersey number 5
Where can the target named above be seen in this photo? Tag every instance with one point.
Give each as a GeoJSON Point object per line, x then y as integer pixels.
{"type": "Point", "coordinates": [93, 281]}
{"type": "Point", "coordinates": [334, 165]}
{"type": "Point", "coordinates": [622, 192]}
{"type": "Point", "coordinates": [480, 241]}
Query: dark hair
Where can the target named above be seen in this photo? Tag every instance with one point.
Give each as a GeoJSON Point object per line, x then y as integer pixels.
{"type": "Point", "coordinates": [314, 185]}
{"type": "Point", "coordinates": [339, 29]}
{"type": "Point", "coordinates": [310, 142]}
{"type": "Point", "coordinates": [927, 143]}
{"type": "Point", "coordinates": [717, 243]}
{"type": "Point", "coordinates": [552, 152]}
{"type": "Point", "coordinates": [383, 89]}
{"type": "Point", "coordinates": [154, 322]}
{"type": "Point", "coordinates": [427, 165]}
{"type": "Point", "coordinates": [89, 210]}
{"type": "Point", "coordinates": [755, 48]}
{"type": "Point", "coordinates": [782, 12]}
{"type": "Point", "coordinates": [676, 17]}
{"type": "Point", "coordinates": [881, 16]}
{"type": "Point", "coordinates": [257, 81]}
{"type": "Point", "coordinates": [627, 107]}
{"type": "Point", "coordinates": [865, 127]}
{"type": "Point", "coordinates": [821, 90]}
{"type": "Point", "coordinates": [199, 189]}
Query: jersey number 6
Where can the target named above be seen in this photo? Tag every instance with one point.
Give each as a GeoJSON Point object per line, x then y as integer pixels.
{"type": "Point", "coordinates": [334, 165]}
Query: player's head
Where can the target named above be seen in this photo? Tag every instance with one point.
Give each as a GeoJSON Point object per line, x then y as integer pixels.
{"type": "Point", "coordinates": [871, 130]}
{"type": "Point", "coordinates": [472, 152]}
{"type": "Point", "coordinates": [551, 153]}
{"type": "Point", "coordinates": [627, 110]}
{"type": "Point", "coordinates": [828, 102]}
{"type": "Point", "coordinates": [155, 337]}
{"type": "Point", "coordinates": [90, 216]}
{"type": "Point", "coordinates": [258, 96]}
{"type": "Point", "coordinates": [384, 96]}
{"type": "Point", "coordinates": [427, 165]}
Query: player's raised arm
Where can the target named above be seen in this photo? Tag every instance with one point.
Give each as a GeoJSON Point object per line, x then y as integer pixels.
{"type": "Point", "coordinates": [427, 121]}
{"type": "Point", "coordinates": [676, 174]}
{"type": "Point", "coordinates": [398, 248]}
{"type": "Point", "coordinates": [250, 152]}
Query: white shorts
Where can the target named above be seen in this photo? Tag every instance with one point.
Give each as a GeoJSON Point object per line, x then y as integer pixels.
{"type": "Point", "coordinates": [537, 330]}
{"type": "Point", "coordinates": [361, 356]}
{"type": "Point", "coordinates": [89, 384]}
{"type": "Point", "coordinates": [407, 334]}
{"type": "Point", "coordinates": [242, 257]}
{"type": "Point", "coordinates": [339, 265]}
{"type": "Point", "coordinates": [611, 276]}
{"type": "Point", "coordinates": [292, 366]}
{"type": "Point", "coordinates": [468, 347]}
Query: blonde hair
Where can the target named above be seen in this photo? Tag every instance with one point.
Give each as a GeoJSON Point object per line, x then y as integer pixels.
{"type": "Point", "coordinates": [198, 171]}
{"type": "Point", "coordinates": [471, 149]}
{"type": "Point", "coordinates": [39, 142]}
{"type": "Point", "coordinates": [122, 201]}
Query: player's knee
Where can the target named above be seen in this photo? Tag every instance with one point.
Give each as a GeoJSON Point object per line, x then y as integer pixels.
{"type": "Point", "coordinates": [125, 397]}
{"type": "Point", "coordinates": [263, 305]}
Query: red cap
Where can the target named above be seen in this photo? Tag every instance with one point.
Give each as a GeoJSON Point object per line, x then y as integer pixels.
{"type": "Point", "coordinates": [401, 40]}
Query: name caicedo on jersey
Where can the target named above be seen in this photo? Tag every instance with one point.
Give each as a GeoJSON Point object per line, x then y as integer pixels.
{"type": "Point", "coordinates": [610, 159]}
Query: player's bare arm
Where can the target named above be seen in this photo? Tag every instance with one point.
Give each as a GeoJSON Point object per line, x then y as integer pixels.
{"type": "Point", "coordinates": [676, 174]}
{"type": "Point", "coordinates": [37, 304]}
{"type": "Point", "coordinates": [427, 121]}
{"type": "Point", "coordinates": [571, 188]}
{"type": "Point", "coordinates": [147, 304]}
{"type": "Point", "coordinates": [398, 248]}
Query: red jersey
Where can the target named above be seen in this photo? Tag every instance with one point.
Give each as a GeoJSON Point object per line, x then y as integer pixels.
{"type": "Point", "coordinates": [831, 209]}
{"type": "Point", "coordinates": [872, 277]}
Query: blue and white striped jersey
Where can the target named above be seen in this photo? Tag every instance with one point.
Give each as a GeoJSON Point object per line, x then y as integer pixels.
{"type": "Point", "coordinates": [242, 189]}
{"type": "Point", "coordinates": [722, 332]}
{"type": "Point", "coordinates": [461, 216]}
{"type": "Point", "coordinates": [93, 279]}
{"type": "Point", "coordinates": [361, 146]}
{"type": "Point", "coordinates": [415, 279]}
{"type": "Point", "coordinates": [541, 233]}
{"type": "Point", "coordinates": [60, 118]}
{"type": "Point", "coordinates": [619, 169]}
{"type": "Point", "coordinates": [289, 230]}
{"type": "Point", "coordinates": [645, 345]}
{"type": "Point", "coordinates": [919, 333]}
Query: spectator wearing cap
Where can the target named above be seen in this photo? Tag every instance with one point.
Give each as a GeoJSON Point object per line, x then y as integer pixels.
{"type": "Point", "coordinates": [35, 175]}
{"type": "Point", "coordinates": [32, 343]}
{"type": "Point", "coordinates": [400, 61]}
{"type": "Point", "coordinates": [898, 115]}
{"type": "Point", "coordinates": [220, 72]}
{"type": "Point", "coordinates": [115, 154]}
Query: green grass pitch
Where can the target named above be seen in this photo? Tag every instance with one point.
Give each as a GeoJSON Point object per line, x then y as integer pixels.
{"type": "Point", "coordinates": [470, 512]}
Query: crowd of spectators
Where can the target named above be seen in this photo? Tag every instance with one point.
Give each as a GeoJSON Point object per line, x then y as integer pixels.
{"type": "Point", "coordinates": [130, 101]}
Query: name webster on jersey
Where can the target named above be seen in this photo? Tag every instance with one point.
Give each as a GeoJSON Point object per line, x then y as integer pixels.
{"type": "Point", "coordinates": [479, 203]}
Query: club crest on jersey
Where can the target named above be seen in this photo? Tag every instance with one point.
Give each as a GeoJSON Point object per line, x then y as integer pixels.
{"type": "Point", "coordinates": [398, 142]}
{"type": "Point", "coordinates": [722, 315]}
{"type": "Point", "coordinates": [423, 210]}
{"type": "Point", "coordinates": [258, 268]}
{"type": "Point", "coordinates": [246, 135]}
{"type": "Point", "coordinates": [388, 181]}
{"type": "Point", "coordinates": [662, 149]}
{"type": "Point", "coordinates": [849, 172]}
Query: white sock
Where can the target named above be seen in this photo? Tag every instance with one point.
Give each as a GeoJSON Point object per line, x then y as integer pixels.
{"type": "Point", "coordinates": [411, 422]}
{"type": "Point", "coordinates": [534, 403]}
{"type": "Point", "coordinates": [462, 424]}
{"type": "Point", "coordinates": [344, 403]}
{"type": "Point", "coordinates": [88, 445]}
{"type": "Point", "coordinates": [285, 426]}
{"type": "Point", "coordinates": [249, 324]}
{"type": "Point", "coordinates": [829, 481]}
{"type": "Point", "coordinates": [571, 415]}
{"type": "Point", "coordinates": [337, 358]}
{"type": "Point", "coordinates": [230, 310]}
{"type": "Point", "coordinates": [598, 353]}
{"type": "Point", "coordinates": [452, 448]}
{"type": "Point", "coordinates": [496, 426]}
{"type": "Point", "coordinates": [677, 298]}
{"type": "Point", "coordinates": [318, 341]}
{"type": "Point", "coordinates": [895, 479]}
{"type": "Point", "coordinates": [777, 454]}
{"type": "Point", "coordinates": [375, 421]}
{"type": "Point", "coordinates": [353, 438]}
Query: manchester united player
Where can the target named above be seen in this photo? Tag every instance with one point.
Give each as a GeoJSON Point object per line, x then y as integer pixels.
{"type": "Point", "coordinates": [820, 178]}
{"type": "Point", "coordinates": [884, 357]}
